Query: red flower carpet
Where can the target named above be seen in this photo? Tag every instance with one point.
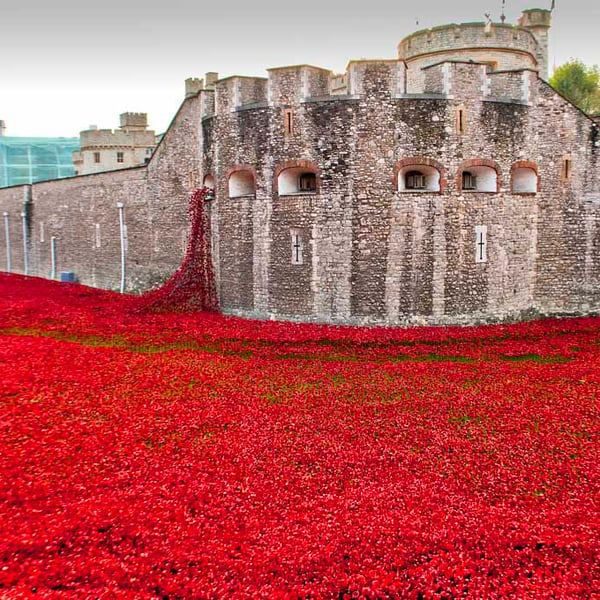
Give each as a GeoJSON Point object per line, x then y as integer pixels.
{"type": "Point", "coordinates": [162, 455]}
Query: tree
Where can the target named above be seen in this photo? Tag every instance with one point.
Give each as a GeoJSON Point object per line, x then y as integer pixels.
{"type": "Point", "coordinates": [579, 84]}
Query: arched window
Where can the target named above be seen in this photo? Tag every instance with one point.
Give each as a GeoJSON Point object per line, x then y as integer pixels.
{"type": "Point", "coordinates": [241, 183]}
{"type": "Point", "coordinates": [418, 178]}
{"type": "Point", "coordinates": [209, 182]}
{"type": "Point", "coordinates": [297, 180]}
{"type": "Point", "coordinates": [477, 177]}
{"type": "Point", "coordinates": [525, 178]}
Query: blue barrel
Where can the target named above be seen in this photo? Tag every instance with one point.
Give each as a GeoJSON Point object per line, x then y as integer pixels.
{"type": "Point", "coordinates": [68, 277]}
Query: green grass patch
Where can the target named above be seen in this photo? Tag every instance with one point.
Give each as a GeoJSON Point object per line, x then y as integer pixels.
{"type": "Point", "coordinates": [545, 360]}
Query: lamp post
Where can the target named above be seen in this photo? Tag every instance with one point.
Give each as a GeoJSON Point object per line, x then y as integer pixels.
{"type": "Point", "coordinates": [121, 208]}
{"type": "Point", "coordinates": [53, 257]}
{"type": "Point", "coordinates": [25, 244]}
{"type": "Point", "coordinates": [7, 232]}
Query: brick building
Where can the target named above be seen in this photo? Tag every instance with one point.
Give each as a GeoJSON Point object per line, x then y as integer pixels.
{"type": "Point", "coordinates": [449, 185]}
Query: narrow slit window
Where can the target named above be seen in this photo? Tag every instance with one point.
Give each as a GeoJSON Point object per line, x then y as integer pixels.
{"type": "Point", "coordinates": [461, 120]}
{"type": "Point", "coordinates": [567, 169]}
{"type": "Point", "coordinates": [42, 233]}
{"type": "Point", "coordinates": [96, 157]}
{"type": "Point", "coordinates": [288, 122]}
{"type": "Point", "coordinates": [481, 244]}
{"type": "Point", "coordinates": [120, 157]}
{"type": "Point", "coordinates": [297, 247]}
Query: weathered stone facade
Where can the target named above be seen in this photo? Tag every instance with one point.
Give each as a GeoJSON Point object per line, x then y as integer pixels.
{"type": "Point", "coordinates": [106, 150]}
{"type": "Point", "coordinates": [456, 195]}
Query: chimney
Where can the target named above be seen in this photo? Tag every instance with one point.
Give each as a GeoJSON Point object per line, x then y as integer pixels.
{"type": "Point", "coordinates": [2, 129]}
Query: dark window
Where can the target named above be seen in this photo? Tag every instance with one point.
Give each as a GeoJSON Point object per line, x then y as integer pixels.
{"type": "Point", "coordinates": [96, 157]}
{"type": "Point", "coordinates": [288, 124]}
{"type": "Point", "coordinates": [119, 157]}
{"type": "Point", "coordinates": [469, 181]}
{"type": "Point", "coordinates": [307, 182]}
{"type": "Point", "coordinates": [415, 180]}
{"type": "Point", "coordinates": [567, 168]}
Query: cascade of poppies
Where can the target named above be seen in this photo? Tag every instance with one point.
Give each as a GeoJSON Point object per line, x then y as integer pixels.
{"type": "Point", "coordinates": [192, 286]}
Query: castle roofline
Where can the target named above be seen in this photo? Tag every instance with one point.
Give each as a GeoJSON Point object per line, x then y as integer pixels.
{"type": "Point", "coordinates": [372, 60]}
{"type": "Point", "coordinates": [236, 77]}
{"type": "Point", "coordinates": [298, 67]}
{"type": "Point", "coordinates": [475, 24]}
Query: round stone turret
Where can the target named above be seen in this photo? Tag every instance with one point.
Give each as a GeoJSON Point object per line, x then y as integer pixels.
{"type": "Point", "coordinates": [502, 46]}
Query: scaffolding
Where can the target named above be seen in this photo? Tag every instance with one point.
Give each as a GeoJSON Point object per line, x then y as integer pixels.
{"type": "Point", "coordinates": [29, 160]}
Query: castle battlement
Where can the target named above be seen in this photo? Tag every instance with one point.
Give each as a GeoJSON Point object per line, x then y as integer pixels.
{"type": "Point", "coordinates": [297, 85]}
{"type": "Point", "coordinates": [501, 60]}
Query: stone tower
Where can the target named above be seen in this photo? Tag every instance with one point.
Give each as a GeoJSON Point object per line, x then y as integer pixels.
{"type": "Point", "coordinates": [538, 21]}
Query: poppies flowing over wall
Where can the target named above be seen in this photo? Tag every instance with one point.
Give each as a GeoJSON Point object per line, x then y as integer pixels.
{"type": "Point", "coordinates": [192, 287]}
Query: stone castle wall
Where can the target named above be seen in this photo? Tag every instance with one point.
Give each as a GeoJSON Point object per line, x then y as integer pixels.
{"type": "Point", "coordinates": [374, 254]}
{"type": "Point", "coordinates": [370, 252]}
{"type": "Point", "coordinates": [82, 214]}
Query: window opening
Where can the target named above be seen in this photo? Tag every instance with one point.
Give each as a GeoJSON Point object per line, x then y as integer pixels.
{"type": "Point", "coordinates": [241, 183]}
{"type": "Point", "coordinates": [524, 181]}
{"type": "Point", "coordinates": [96, 157]}
{"type": "Point", "coordinates": [469, 181]}
{"type": "Point", "coordinates": [119, 157]}
{"type": "Point", "coordinates": [415, 180]}
{"type": "Point", "coordinates": [307, 182]}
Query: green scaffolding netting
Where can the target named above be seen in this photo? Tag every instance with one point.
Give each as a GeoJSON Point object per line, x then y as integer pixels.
{"type": "Point", "coordinates": [28, 160]}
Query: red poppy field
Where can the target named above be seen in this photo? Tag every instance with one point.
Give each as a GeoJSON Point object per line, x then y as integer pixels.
{"type": "Point", "coordinates": [179, 456]}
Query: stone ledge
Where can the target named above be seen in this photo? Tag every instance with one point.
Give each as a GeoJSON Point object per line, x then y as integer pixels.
{"type": "Point", "coordinates": [252, 106]}
{"type": "Point", "coordinates": [420, 97]}
{"type": "Point", "coordinates": [506, 101]}
{"type": "Point", "coordinates": [340, 97]}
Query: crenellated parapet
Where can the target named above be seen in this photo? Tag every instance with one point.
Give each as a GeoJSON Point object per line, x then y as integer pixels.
{"type": "Point", "coordinates": [293, 84]}
{"type": "Point", "coordinates": [232, 93]}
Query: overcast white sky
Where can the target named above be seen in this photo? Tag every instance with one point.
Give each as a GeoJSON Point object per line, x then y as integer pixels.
{"type": "Point", "coordinates": [66, 64]}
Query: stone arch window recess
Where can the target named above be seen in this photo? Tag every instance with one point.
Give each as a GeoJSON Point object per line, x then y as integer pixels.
{"type": "Point", "coordinates": [479, 176]}
{"type": "Point", "coordinates": [209, 182]}
{"type": "Point", "coordinates": [419, 174]}
{"type": "Point", "coordinates": [524, 178]}
{"type": "Point", "coordinates": [241, 182]}
{"type": "Point", "coordinates": [297, 178]}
